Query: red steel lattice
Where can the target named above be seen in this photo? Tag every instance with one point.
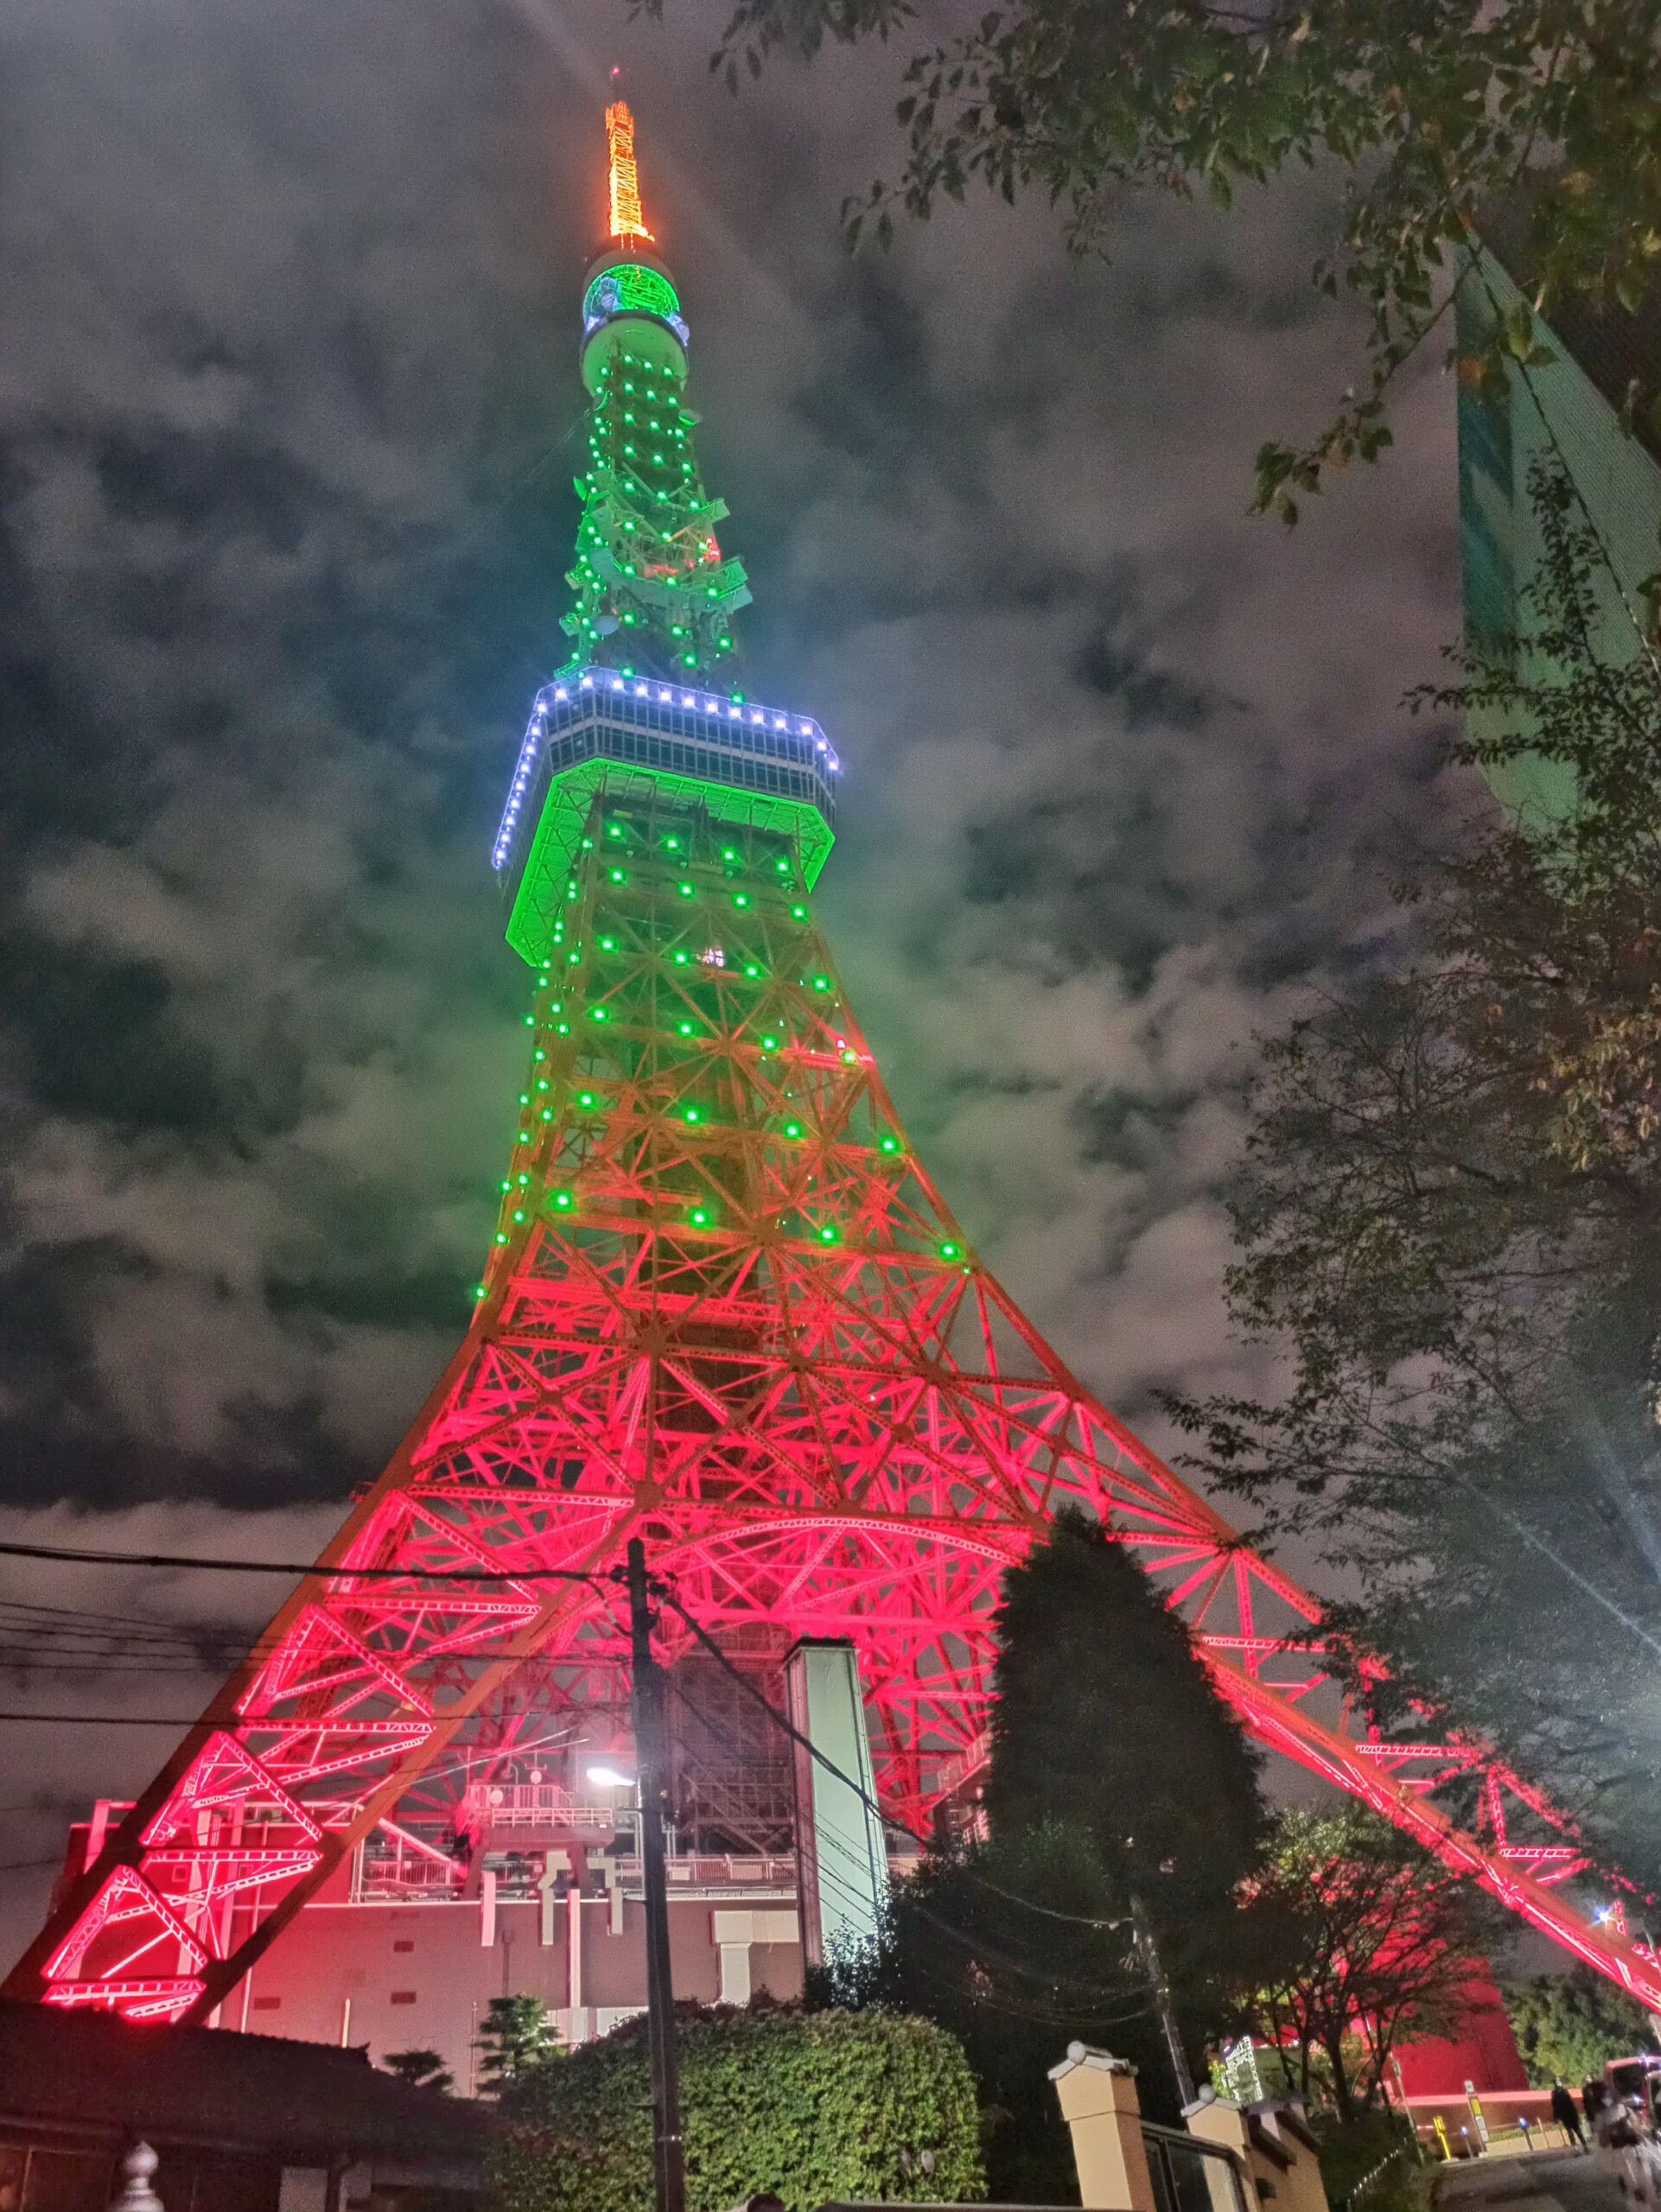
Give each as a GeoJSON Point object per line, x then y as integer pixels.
{"type": "Point", "coordinates": [727, 1310]}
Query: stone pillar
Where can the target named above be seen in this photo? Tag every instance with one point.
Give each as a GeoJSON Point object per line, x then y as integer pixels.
{"type": "Point", "coordinates": [1103, 2113]}
{"type": "Point", "coordinates": [1219, 2119]}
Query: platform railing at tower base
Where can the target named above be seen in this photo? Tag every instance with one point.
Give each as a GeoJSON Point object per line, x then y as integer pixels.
{"type": "Point", "coordinates": [1232, 2157]}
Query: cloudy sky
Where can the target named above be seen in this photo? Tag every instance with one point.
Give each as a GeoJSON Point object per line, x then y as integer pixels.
{"type": "Point", "coordinates": [287, 407]}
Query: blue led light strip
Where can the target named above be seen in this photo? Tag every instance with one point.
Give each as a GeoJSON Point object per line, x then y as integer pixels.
{"type": "Point", "coordinates": [602, 680]}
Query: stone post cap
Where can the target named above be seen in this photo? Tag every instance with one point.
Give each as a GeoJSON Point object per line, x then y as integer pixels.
{"type": "Point", "coordinates": [1083, 2054]}
{"type": "Point", "coordinates": [138, 2163]}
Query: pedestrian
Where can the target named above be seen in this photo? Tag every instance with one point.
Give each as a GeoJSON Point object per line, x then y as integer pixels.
{"type": "Point", "coordinates": [1564, 2112]}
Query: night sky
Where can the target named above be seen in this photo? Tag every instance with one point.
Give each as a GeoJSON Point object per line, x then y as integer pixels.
{"type": "Point", "coordinates": [287, 414]}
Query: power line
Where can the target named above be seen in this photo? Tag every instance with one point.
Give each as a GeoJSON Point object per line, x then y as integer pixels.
{"type": "Point", "coordinates": [131, 1720]}
{"type": "Point", "coordinates": [1073, 1919]}
{"type": "Point", "coordinates": [306, 1568]}
{"type": "Point", "coordinates": [599, 1582]}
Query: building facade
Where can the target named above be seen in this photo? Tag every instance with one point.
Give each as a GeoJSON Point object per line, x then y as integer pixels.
{"type": "Point", "coordinates": [1590, 409]}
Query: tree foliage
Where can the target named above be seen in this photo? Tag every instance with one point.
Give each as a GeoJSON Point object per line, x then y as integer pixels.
{"type": "Point", "coordinates": [421, 2069]}
{"type": "Point", "coordinates": [517, 2035]}
{"type": "Point", "coordinates": [1377, 1940]}
{"type": "Point", "coordinates": [1568, 2025]}
{"type": "Point", "coordinates": [1115, 1770]}
{"type": "Point", "coordinates": [1449, 1223]}
{"type": "Point", "coordinates": [1106, 1723]}
{"type": "Point", "coordinates": [1436, 108]}
{"type": "Point", "coordinates": [810, 2106]}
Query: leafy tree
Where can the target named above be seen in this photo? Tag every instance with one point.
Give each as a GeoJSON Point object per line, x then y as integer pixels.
{"type": "Point", "coordinates": [1379, 1937]}
{"type": "Point", "coordinates": [1436, 108]}
{"type": "Point", "coordinates": [1115, 1770]}
{"type": "Point", "coordinates": [421, 2069]}
{"type": "Point", "coordinates": [515, 2036]}
{"type": "Point", "coordinates": [811, 2107]}
{"type": "Point", "coordinates": [1449, 1219]}
{"type": "Point", "coordinates": [1106, 1721]}
{"type": "Point", "coordinates": [1568, 2025]}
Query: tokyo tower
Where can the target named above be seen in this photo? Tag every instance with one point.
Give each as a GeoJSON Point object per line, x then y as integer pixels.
{"type": "Point", "coordinates": [726, 1310]}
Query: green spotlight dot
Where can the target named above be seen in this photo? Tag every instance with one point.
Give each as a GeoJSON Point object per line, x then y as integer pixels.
{"type": "Point", "coordinates": [598, 1014]}
{"type": "Point", "coordinates": [827, 1235]}
{"type": "Point", "coordinates": [949, 1250]}
{"type": "Point", "coordinates": [563, 1200]}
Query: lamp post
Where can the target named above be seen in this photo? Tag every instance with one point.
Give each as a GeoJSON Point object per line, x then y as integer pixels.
{"type": "Point", "coordinates": [668, 2161]}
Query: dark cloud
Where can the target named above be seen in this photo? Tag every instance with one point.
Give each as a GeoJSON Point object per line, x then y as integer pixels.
{"type": "Point", "coordinates": [284, 506]}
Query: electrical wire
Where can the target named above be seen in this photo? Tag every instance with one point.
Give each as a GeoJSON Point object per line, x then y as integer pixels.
{"type": "Point", "coordinates": [303, 1569]}
{"type": "Point", "coordinates": [1073, 1919]}
{"type": "Point", "coordinates": [599, 1582]}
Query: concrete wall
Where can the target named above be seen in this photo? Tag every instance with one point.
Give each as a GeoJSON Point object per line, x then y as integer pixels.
{"type": "Point", "coordinates": [419, 1976]}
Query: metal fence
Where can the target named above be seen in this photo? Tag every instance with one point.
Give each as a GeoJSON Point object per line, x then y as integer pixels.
{"type": "Point", "coordinates": [1189, 2176]}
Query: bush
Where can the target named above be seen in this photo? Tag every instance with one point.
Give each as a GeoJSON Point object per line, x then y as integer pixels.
{"type": "Point", "coordinates": [809, 2105]}
{"type": "Point", "coordinates": [1569, 2024]}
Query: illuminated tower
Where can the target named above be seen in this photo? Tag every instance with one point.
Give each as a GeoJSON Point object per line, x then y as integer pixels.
{"type": "Point", "coordinates": [725, 1310]}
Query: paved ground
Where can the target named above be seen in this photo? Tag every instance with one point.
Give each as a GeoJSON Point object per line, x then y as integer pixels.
{"type": "Point", "coordinates": [1548, 2181]}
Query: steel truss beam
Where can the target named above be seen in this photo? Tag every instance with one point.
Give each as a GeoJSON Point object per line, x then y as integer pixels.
{"type": "Point", "coordinates": [729, 1311]}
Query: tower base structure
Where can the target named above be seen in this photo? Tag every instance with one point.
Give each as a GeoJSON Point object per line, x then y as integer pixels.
{"type": "Point", "coordinates": [726, 1313]}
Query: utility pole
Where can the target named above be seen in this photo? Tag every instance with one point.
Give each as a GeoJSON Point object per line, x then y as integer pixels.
{"type": "Point", "coordinates": [1154, 1970]}
{"type": "Point", "coordinates": [668, 2161]}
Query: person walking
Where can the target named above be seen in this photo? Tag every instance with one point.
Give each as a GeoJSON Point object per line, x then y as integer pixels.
{"type": "Point", "coordinates": [1564, 2112]}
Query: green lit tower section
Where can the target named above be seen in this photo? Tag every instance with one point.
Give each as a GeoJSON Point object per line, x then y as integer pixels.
{"type": "Point", "coordinates": [655, 596]}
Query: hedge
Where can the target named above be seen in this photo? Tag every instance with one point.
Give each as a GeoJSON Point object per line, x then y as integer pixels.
{"type": "Point", "coordinates": [810, 2106]}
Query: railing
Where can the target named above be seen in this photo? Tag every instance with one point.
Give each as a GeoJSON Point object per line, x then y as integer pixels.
{"type": "Point", "coordinates": [1191, 2176]}
{"type": "Point", "coordinates": [598, 712]}
{"type": "Point", "coordinates": [541, 1805]}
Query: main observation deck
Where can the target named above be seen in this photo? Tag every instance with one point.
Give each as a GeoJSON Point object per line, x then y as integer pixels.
{"type": "Point", "coordinates": [596, 728]}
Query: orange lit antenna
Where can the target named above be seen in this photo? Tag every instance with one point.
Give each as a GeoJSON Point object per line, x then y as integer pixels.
{"type": "Point", "coordinates": [626, 220]}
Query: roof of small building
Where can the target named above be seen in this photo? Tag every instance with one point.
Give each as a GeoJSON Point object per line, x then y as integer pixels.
{"type": "Point", "coordinates": [93, 2070]}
